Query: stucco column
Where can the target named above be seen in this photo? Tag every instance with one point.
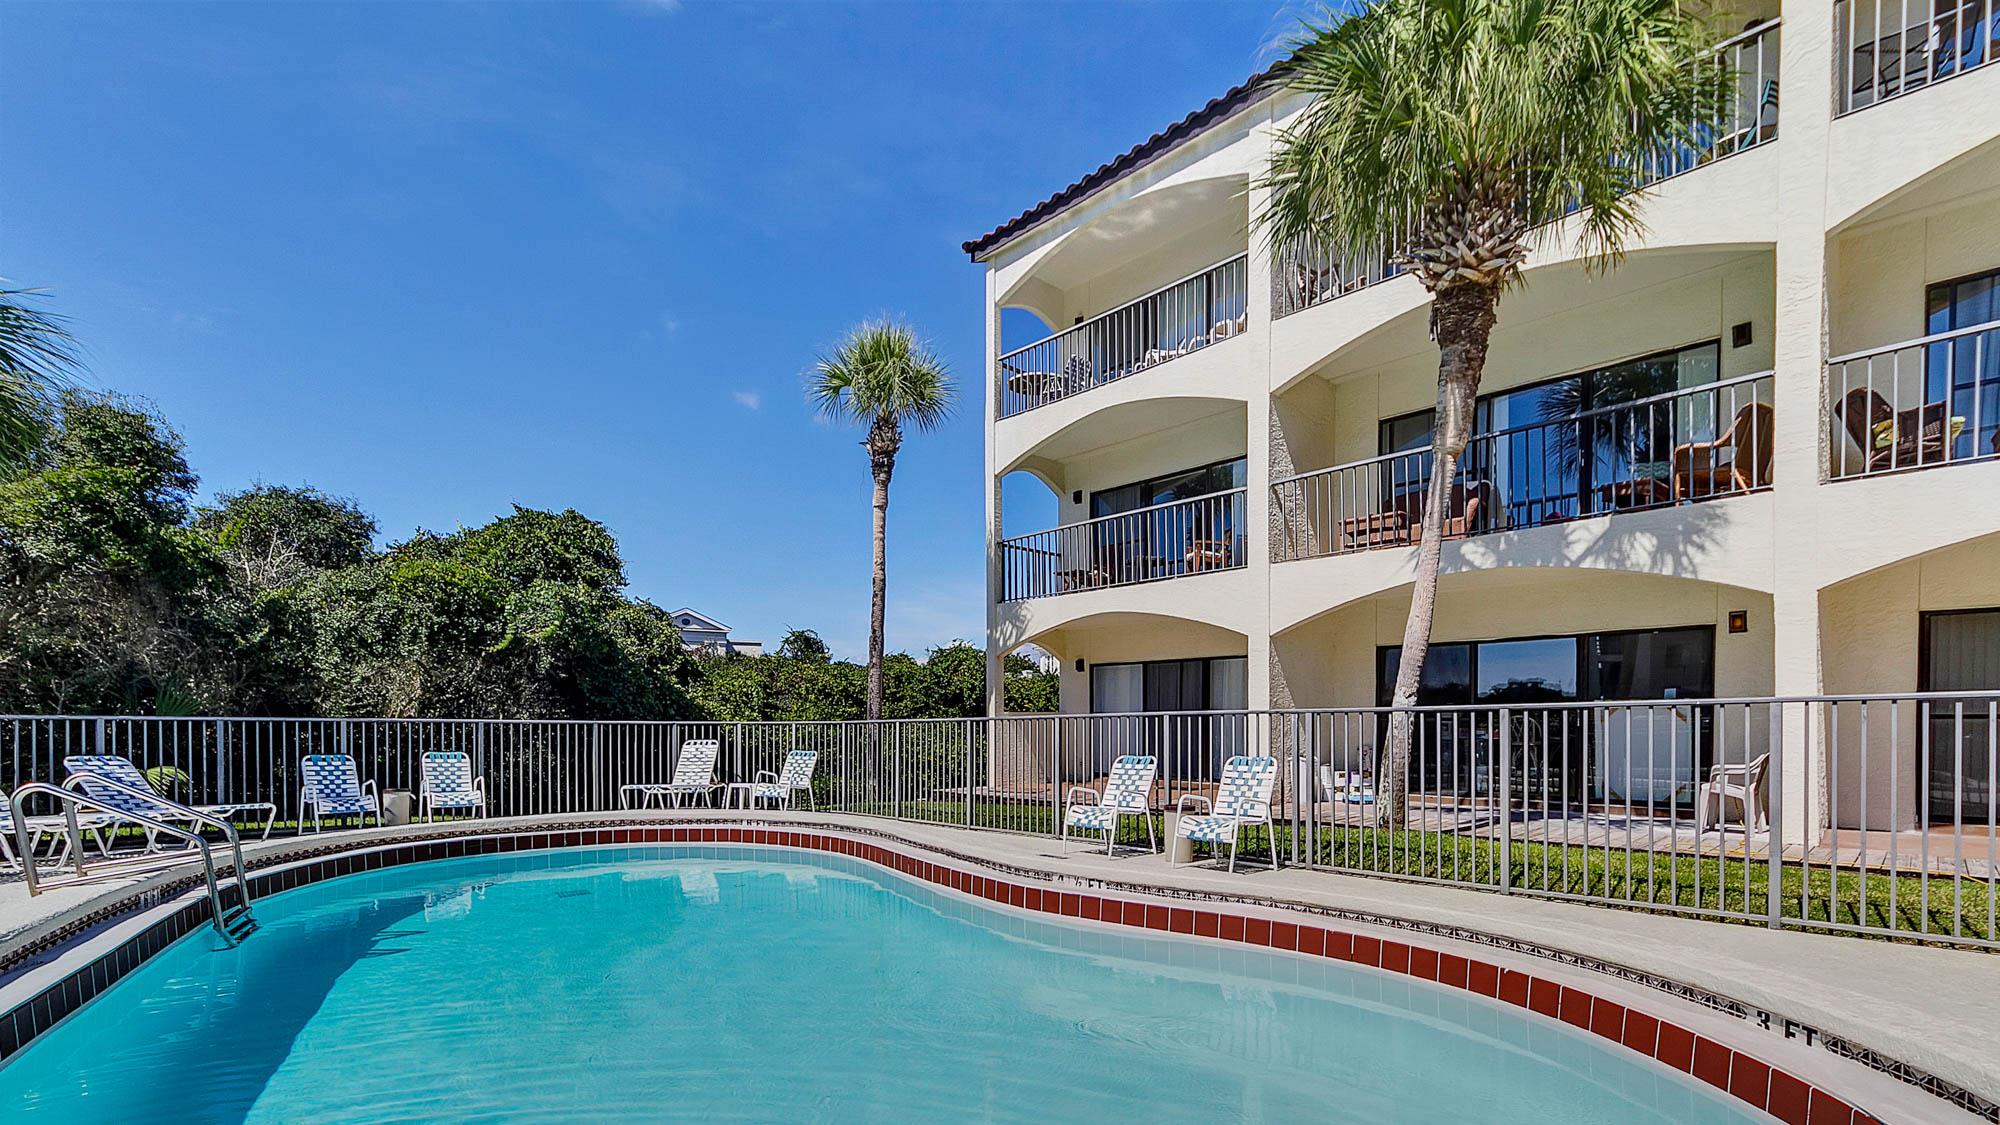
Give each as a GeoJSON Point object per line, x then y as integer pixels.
{"type": "Point", "coordinates": [1799, 392]}
{"type": "Point", "coordinates": [989, 395]}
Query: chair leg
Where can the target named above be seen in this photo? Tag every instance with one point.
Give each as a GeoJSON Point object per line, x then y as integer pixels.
{"type": "Point", "coordinates": [1234, 842]}
{"type": "Point", "coordinates": [1150, 845]}
{"type": "Point", "coordinates": [1271, 833]}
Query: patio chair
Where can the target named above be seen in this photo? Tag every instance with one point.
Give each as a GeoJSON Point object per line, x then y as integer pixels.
{"type": "Point", "coordinates": [795, 777]}
{"type": "Point", "coordinates": [1127, 792]}
{"type": "Point", "coordinates": [1740, 782]}
{"type": "Point", "coordinates": [694, 776]}
{"type": "Point", "coordinates": [86, 770]}
{"type": "Point", "coordinates": [331, 786]}
{"type": "Point", "coordinates": [1699, 471]}
{"type": "Point", "coordinates": [1242, 800]}
{"type": "Point", "coordinates": [448, 783]}
{"type": "Point", "coordinates": [1890, 439]}
{"type": "Point", "coordinates": [41, 829]}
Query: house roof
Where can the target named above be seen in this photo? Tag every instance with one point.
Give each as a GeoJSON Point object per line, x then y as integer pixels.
{"type": "Point", "coordinates": [705, 622]}
{"type": "Point", "coordinates": [1253, 89]}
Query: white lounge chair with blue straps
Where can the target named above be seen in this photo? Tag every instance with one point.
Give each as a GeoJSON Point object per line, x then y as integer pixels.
{"type": "Point", "coordinates": [795, 777]}
{"type": "Point", "coordinates": [694, 776]}
{"type": "Point", "coordinates": [448, 784]}
{"type": "Point", "coordinates": [1127, 792]}
{"type": "Point", "coordinates": [331, 786]}
{"type": "Point", "coordinates": [1242, 800]}
{"type": "Point", "coordinates": [85, 770]}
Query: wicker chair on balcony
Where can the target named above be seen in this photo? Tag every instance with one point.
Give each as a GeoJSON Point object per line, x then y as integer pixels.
{"type": "Point", "coordinates": [1737, 461]}
{"type": "Point", "coordinates": [1892, 439]}
{"type": "Point", "coordinates": [1471, 511]}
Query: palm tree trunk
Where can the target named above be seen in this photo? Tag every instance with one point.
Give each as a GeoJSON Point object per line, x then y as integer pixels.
{"type": "Point", "coordinates": [884, 466]}
{"type": "Point", "coordinates": [1462, 320]}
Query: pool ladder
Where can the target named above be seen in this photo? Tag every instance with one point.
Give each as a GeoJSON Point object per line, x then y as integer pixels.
{"type": "Point", "coordinates": [234, 922]}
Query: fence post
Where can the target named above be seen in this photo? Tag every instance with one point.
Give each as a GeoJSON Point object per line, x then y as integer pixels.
{"type": "Point", "coordinates": [221, 763]}
{"type": "Point", "coordinates": [1774, 827]}
{"type": "Point", "coordinates": [596, 763]}
{"type": "Point", "coordinates": [1506, 800]}
{"type": "Point", "coordinates": [968, 770]}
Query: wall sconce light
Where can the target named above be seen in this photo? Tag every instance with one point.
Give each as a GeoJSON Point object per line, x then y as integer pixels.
{"type": "Point", "coordinates": [1076, 497]}
{"type": "Point", "coordinates": [1079, 663]}
{"type": "Point", "coordinates": [1739, 620]}
{"type": "Point", "coordinates": [1739, 335]}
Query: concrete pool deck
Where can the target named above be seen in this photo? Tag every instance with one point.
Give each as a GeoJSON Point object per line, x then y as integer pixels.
{"type": "Point", "coordinates": [1803, 1001]}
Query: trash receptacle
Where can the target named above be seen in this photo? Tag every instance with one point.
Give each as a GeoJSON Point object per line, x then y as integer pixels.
{"type": "Point", "coordinates": [398, 806]}
{"type": "Point", "coordinates": [1178, 848]}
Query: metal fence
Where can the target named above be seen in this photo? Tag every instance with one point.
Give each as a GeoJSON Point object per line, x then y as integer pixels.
{"type": "Point", "coordinates": [1891, 47]}
{"type": "Point", "coordinates": [1872, 815]}
{"type": "Point", "coordinates": [1922, 403]}
{"type": "Point", "coordinates": [1186, 316]}
{"type": "Point", "coordinates": [1701, 443]}
{"type": "Point", "coordinates": [1191, 536]}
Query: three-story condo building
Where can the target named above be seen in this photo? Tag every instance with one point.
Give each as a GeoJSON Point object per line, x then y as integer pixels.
{"type": "Point", "coordinates": [1758, 458]}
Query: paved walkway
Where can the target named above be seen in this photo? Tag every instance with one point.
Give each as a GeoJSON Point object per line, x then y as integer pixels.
{"type": "Point", "coordinates": [1935, 1009]}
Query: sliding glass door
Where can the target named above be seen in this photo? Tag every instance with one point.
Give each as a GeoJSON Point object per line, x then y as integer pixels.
{"type": "Point", "coordinates": [1189, 746]}
{"type": "Point", "coordinates": [1960, 651]}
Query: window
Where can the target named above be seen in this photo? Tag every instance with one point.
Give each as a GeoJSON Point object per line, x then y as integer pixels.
{"type": "Point", "coordinates": [1959, 651]}
{"type": "Point", "coordinates": [1561, 754]}
{"type": "Point", "coordinates": [1962, 375]}
{"type": "Point", "coordinates": [1191, 746]}
{"type": "Point", "coordinates": [1152, 540]}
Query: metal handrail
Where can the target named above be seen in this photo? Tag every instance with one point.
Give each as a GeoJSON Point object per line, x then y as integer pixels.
{"type": "Point", "coordinates": [1921, 341]}
{"type": "Point", "coordinates": [1580, 416]}
{"type": "Point", "coordinates": [1139, 300]}
{"type": "Point", "coordinates": [70, 799]}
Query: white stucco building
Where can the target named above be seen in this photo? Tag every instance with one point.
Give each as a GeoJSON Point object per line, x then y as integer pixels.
{"type": "Point", "coordinates": [1757, 459]}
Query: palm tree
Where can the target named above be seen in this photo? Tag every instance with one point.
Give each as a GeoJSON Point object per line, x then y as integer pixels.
{"type": "Point", "coordinates": [1448, 132]}
{"type": "Point", "coordinates": [38, 360]}
{"type": "Point", "coordinates": [883, 376]}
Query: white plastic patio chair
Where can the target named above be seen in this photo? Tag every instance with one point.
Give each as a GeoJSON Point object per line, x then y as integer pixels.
{"type": "Point", "coordinates": [1127, 792]}
{"type": "Point", "coordinates": [86, 769]}
{"type": "Point", "coordinates": [41, 829]}
{"type": "Point", "coordinates": [331, 786]}
{"type": "Point", "coordinates": [448, 783]}
{"type": "Point", "coordinates": [1242, 800]}
{"type": "Point", "coordinates": [795, 777]}
{"type": "Point", "coordinates": [694, 776]}
{"type": "Point", "coordinates": [1739, 782]}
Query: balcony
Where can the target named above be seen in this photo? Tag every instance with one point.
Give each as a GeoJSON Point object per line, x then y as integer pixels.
{"type": "Point", "coordinates": [1648, 453]}
{"type": "Point", "coordinates": [1310, 273]}
{"type": "Point", "coordinates": [1920, 404]}
{"type": "Point", "coordinates": [1192, 536]}
{"type": "Point", "coordinates": [1891, 47]}
{"type": "Point", "coordinates": [1186, 316]}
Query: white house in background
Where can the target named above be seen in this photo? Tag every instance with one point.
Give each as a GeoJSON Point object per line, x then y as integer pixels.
{"type": "Point", "coordinates": [702, 633]}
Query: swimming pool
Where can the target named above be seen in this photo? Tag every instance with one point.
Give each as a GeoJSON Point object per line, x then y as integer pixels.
{"type": "Point", "coordinates": [766, 984]}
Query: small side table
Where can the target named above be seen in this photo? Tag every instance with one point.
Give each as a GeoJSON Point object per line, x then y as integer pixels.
{"type": "Point", "coordinates": [399, 806]}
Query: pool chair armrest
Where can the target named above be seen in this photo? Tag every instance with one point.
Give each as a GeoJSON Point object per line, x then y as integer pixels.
{"type": "Point", "coordinates": [766, 775]}
{"type": "Point", "coordinates": [1181, 806]}
{"type": "Point", "coordinates": [373, 792]}
{"type": "Point", "coordinates": [1090, 796]}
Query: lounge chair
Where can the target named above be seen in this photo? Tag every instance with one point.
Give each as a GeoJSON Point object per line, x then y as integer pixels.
{"type": "Point", "coordinates": [448, 783]}
{"type": "Point", "coordinates": [1127, 792]}
{"type": "Point", "coordinates": [332, 787]}
{"type": "Point", "coordinates": [1890, 439]}
{"type": "Point", "coordinates": [1739, 782]}
{"type": "Point", "coordinates": [1750, 444]}
{"type": "Point", "coordinates": [795, 777]}
{"type": "Point", "coordinates": [1243, 799]}
{"type": "Point", "coordinates": [694, 776]}
{"type": "Point", "coordinates": [86, 770]}
{"type": "Point", "coordinates": [40, 829]}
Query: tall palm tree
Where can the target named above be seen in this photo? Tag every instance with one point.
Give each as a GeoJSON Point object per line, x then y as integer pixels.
{"type": "Point", "coordinates": [1447, 132]}
{"type": "Point", "coordinates": [38, 360]}
{"type": "Point", "coordinates": [886, 378]}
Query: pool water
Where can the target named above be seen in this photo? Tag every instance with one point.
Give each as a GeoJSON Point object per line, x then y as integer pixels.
{"type": "Point", "coordinates": [672, 982]}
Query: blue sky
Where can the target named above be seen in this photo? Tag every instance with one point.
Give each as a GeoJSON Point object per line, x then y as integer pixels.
{"type": "Point", "coordinates": [443, 258]}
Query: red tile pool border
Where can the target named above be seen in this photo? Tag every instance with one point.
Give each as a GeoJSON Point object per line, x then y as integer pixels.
{"type": "Point", "coordinates": [1788, 1098]}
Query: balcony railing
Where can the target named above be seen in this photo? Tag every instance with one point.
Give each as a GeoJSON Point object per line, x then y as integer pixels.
{"type": "Point", "coordinates": [1891, 47]}
{"type": "Point", "coordinates": [1310, 273]}
{"type": "Point", "coordinates": [1191, 536]}
{"type": "Point", "coordinates": [1919, 404]}
{"type": "Point", "coordinates": [1186, 316]}
{"type": "Point", "coordinates": [1701, 443]}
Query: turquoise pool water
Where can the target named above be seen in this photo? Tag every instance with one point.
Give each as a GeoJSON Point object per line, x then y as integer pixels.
{"type": "Point", "coordinates": [771, 985]}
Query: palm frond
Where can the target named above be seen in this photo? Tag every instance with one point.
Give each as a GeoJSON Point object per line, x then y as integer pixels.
{"type": "Point", "coordinates": [883, 371]}
{"type": "Point", "coordinates": [1545, 108]}
{"type": "Point", "coordinates": [38, 361]}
